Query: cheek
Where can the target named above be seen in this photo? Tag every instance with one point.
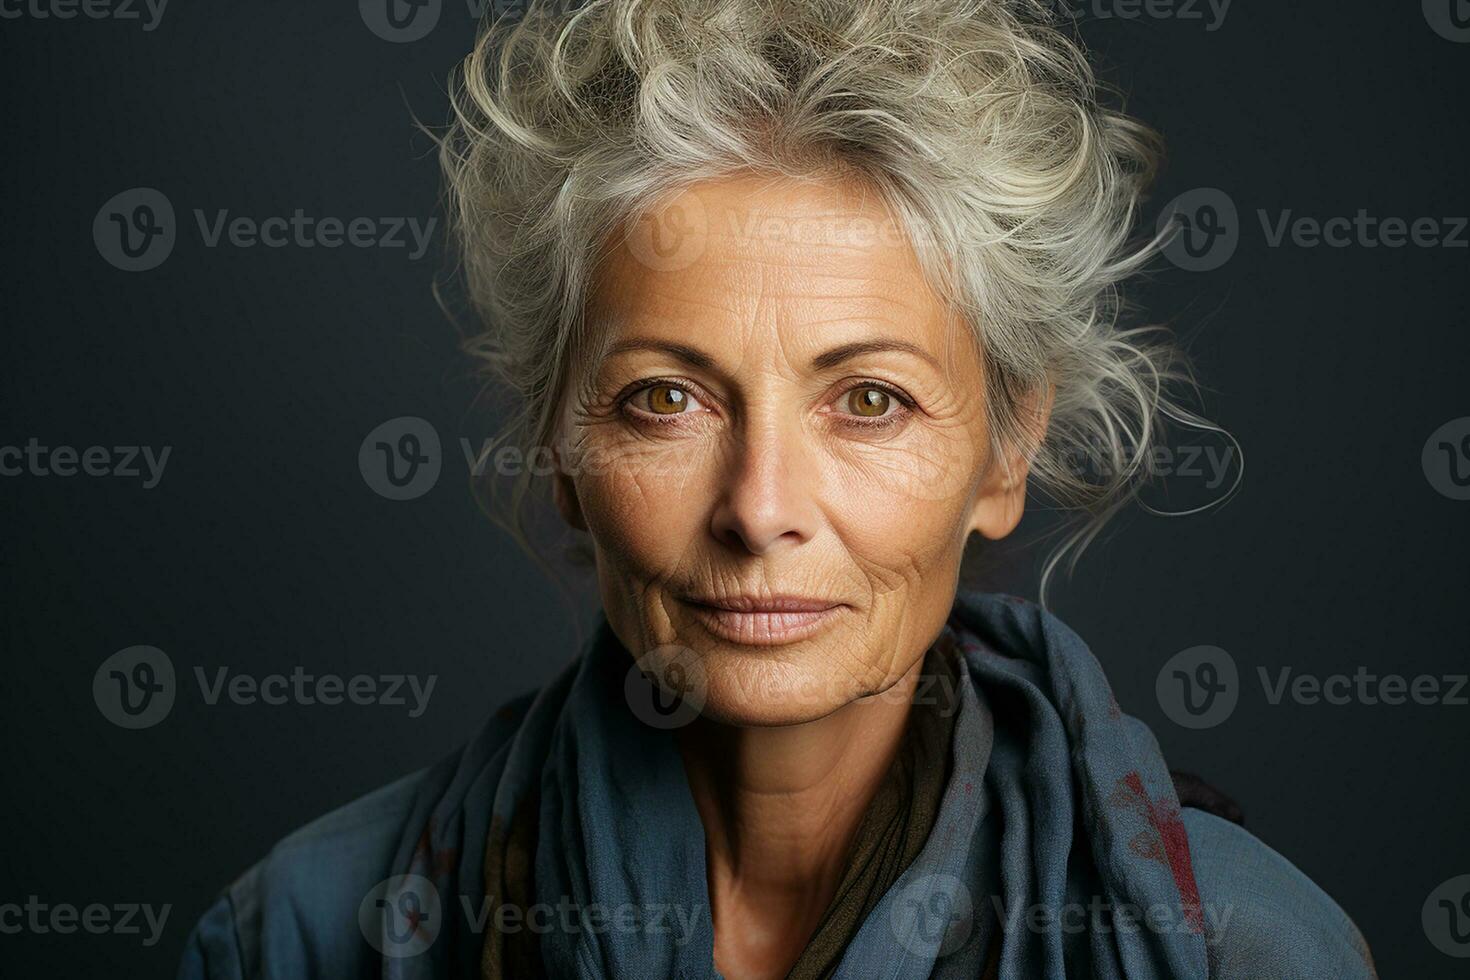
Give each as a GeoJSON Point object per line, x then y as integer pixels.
{"type": "Point", "coordinates": [644, 500]}
{"type": "Point", "coordinates": [900, 504]}
{"type": "Point", "coordinates": [908, 499]}
{"type": "Point", "coordinates": [929, 461]}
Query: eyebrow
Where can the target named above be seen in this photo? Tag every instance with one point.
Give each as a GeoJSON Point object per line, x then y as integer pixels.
{"type": "Point", "coordinates": [845, 352]}
{"type": "Point", "coordinates": [689, 355]}
{"type": "Point", "coordinates": [695, 357]}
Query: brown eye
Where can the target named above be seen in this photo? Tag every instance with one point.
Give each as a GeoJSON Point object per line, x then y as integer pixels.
{"type": "Point", "coordinates": [665, 399]}
{"type": "Point", "coordinates": [869, 402]}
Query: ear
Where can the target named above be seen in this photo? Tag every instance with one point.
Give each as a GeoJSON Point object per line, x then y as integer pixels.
{"type": "Point", "coordinates": [564, 492]}
{"type": "Point", "coordinates": [1001, 497]}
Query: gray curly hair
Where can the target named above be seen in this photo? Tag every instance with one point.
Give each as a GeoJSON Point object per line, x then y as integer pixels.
{"type": "Point", "coordinates": [979, 122]}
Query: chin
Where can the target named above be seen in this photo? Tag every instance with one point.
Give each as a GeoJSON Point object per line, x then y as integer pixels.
{"type": "Point", "coordinates": [757, 670]}
{"type": "Point", "coordinates": [766, 686]}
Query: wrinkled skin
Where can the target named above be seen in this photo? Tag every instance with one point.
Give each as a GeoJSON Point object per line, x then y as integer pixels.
{"type": "Point", "coordinates": [754, 467]}
{"type": "Point", "coordinates": [767, 481]}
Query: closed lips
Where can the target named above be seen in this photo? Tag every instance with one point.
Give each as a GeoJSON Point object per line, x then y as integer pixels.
{"type": "Point", "coordinates": [766, 621]}
{"type": "Point", "coordinates": [777, 604]}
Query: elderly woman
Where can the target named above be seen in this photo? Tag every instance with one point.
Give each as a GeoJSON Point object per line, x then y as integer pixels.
{"type": "Point", "coordinates": [798, 296]}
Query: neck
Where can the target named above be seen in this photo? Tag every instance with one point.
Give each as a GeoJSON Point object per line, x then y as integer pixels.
{"type": "Point", "coordinates": [780, 808]}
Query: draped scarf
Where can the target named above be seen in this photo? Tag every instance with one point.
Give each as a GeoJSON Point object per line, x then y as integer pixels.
{"type": "Point", "coordinates": [894, 829]}
{"type": "Point", "coordinates": [580, 813]}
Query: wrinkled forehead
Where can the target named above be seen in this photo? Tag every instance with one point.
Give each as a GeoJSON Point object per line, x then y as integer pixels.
{"type": "Point", "coordinates": [760, 264]}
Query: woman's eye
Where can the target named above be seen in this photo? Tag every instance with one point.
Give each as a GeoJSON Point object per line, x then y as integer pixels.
{"type": "Point", "coordinates": [869, 402]}
{"type": "Point", "coordinates": [664, 399]}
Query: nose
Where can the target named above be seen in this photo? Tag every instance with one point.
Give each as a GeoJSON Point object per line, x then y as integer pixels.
{"type": "Point", "coordinates": [768, 498]}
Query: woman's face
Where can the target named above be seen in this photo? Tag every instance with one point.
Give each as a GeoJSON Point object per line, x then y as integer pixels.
{"type": "Point", "coordinates": [779, 447]}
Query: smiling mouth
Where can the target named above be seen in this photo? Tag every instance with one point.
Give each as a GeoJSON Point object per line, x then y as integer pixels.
{"type": "Point", "coordinates": [764, 621]}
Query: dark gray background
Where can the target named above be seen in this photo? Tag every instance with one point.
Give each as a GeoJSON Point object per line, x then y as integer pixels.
{"type": "Point", "coordinates": [264, 549]}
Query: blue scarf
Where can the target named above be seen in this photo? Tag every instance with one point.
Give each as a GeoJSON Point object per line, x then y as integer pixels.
{"type": "Point", "coordinates": [1059, 850]}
